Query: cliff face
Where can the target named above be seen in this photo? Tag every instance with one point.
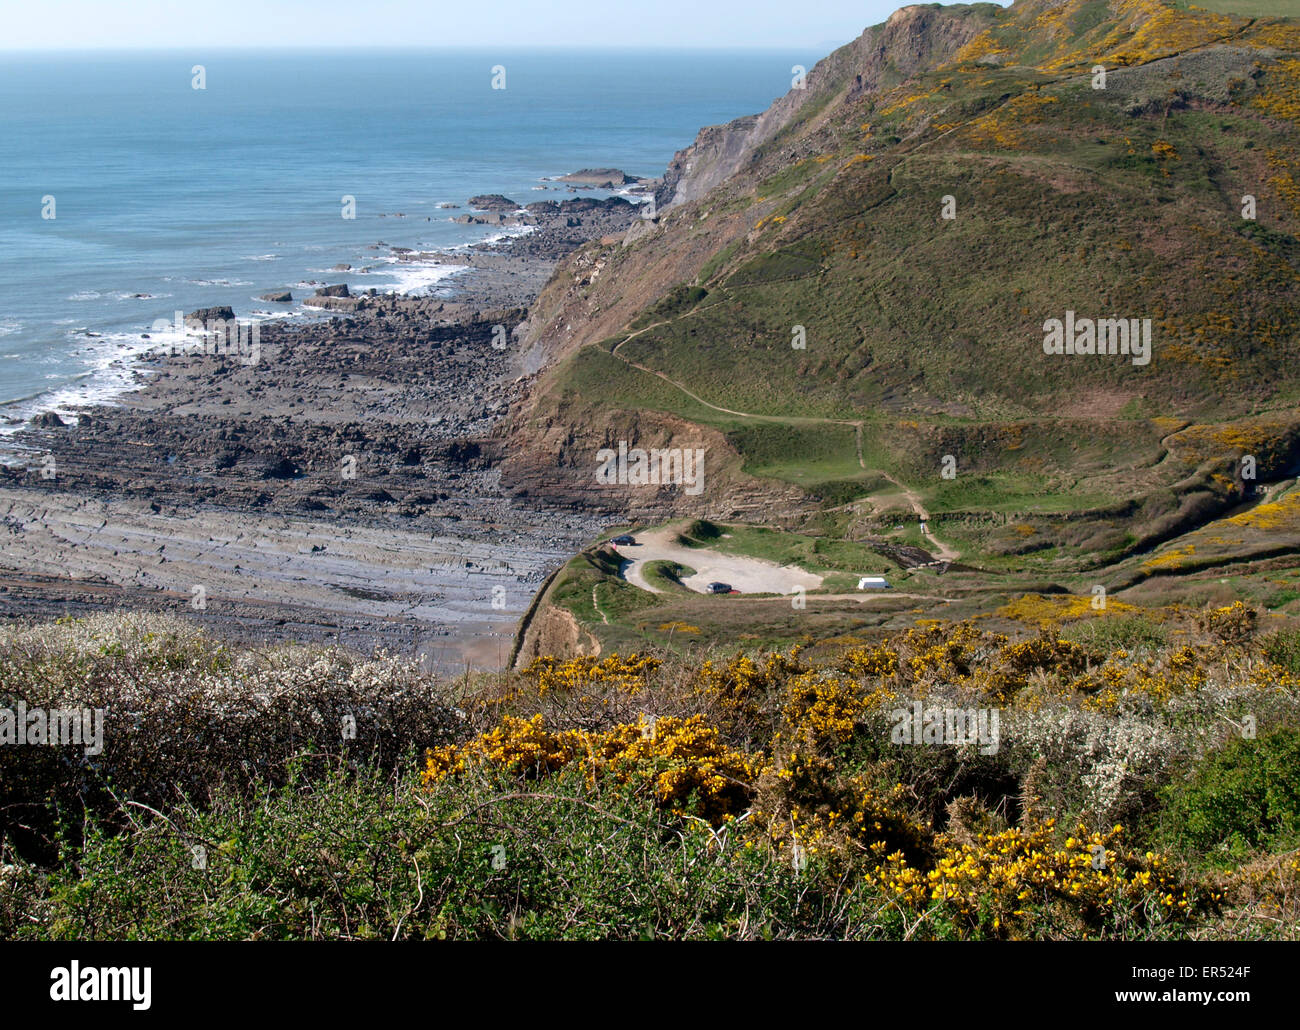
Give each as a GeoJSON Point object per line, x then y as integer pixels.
{"type": "Point", "coordinates": [914, 39]}
{"type": "Point", "coordinates": [599, 290]}
{"type": "Point", "coordinates": [554, 631]}
{"type": "Point", "coordinates": [603, 286]}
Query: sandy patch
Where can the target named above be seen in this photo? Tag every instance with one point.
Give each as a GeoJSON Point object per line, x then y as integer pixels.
{"type": "Point", "coordinates": [745, 575]}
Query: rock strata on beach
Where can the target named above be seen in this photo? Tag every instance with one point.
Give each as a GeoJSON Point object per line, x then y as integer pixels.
{"type": "Point", "coordinates": [345, 486]}
{"type": "Point", "coordinates": [583, 205]}
{"type": "Point", "coordinates": [370, 436]}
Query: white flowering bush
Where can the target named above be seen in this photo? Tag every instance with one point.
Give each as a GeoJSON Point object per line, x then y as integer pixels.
{"type": "Point", "coordinates": [184, 713]}
{"type": "Point", "coordinates": [1101, 765]}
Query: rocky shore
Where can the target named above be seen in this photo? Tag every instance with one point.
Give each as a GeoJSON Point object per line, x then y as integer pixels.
{"type": "Point", "coordinates": [342, 486]}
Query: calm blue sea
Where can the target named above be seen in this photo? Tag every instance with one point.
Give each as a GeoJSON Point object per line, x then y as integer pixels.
{"type": "Point", "coordinates": [168, 198]}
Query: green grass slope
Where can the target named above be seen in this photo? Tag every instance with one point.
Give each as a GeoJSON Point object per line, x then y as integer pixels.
{"type": "Point", "coordinates": [821, 318]}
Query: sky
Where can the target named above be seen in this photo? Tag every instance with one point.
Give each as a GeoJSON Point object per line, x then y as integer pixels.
{"type": "Point", "coordinates": [185, 24]}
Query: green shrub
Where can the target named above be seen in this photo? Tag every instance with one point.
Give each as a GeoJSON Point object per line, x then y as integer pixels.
{"type": "Point", "coordinates": [667, 574]}
{"type": "Point", "coordinates": [836, 492]}
{"type": "Point", "coordinates": [368, 855]}
{"type": "Point", "coordinates": [1239, 799]}
{"type": "Point", "coordinates": [676, 301]}
{"type": "Point", "coordinates": [1120, 632]}
{"type": "Point", "coordinates": [1283, 648]}
{"type": "Point", "coordinates": [701, 530]}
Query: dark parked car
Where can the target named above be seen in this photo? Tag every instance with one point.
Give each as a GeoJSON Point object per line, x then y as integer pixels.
{"type": "Point", "coordinates": [719, 588]}
{"type": "Point", "coordinates": [621, 541]}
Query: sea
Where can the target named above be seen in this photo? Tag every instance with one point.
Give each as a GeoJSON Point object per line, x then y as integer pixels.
{"type": "Point", "coordinates": [128, 194]}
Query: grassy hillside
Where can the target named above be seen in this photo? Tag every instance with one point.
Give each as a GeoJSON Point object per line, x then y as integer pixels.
{"type": "Point", "coordinates": [818, 312]}
{"type": "Point", "coordinates": [1247, 8]}
{"type": "Point", "coordinates": [1108, 201]}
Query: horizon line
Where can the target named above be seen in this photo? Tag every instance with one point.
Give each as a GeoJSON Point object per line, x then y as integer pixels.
{"type": "Point", "coordinates": [426, 47]}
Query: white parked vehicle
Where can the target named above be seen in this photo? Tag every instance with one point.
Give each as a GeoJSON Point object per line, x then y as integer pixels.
{"type": "Point", "coordinates": [873, 583]}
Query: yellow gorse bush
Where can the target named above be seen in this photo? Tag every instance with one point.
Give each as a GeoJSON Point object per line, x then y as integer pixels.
{"type": "Point", "coordinates": [1043, 609]}
{"type": "Point", "coordinates": [741, 687]}
{"type": "Point", "coordinates": [994, 883]}
{"type": "Point", "coordinates": [1178, 673]}
{"type": "Point", "coordinates": [819, 711]}
{"type": "Point", "coordinates": [676, 757]}
{"type": "Point", "coordinates": [1280, 97]}
{"type": "Point", "coordinates": [1283, 514]}
{"type": "Point", "coordinates": [871, 661]}
{"type": "Point", "coordinates": [941, 653]}
{"type": "Point", "coordinates": [796, 756]}
{"type": "Point", "coordinates": [844, 821]}
{"type": "Point", "coordinates": [627, 675]}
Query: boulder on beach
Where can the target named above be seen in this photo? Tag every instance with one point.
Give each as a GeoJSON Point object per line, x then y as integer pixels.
{"type": "Point", "coordinates": [224, 313]}
{"type": "Point", "coordinates": [552, 208]}
{"type": "Point", "coordinates": [341, 290]}
{"type": "Point", "coordinates": [569, 207]}
{"type": "Point", "coordinates": [349, 303]}
{"type": "Point", "coordinates": [48, 420]}
{"type": "Point", "coordinates": [493, 202]}
{"type": "Point", "coordinates": [603, 178]}
{"type": "Point", "coordinates": [279, 468]}
{"type": "Point", "coordinates": [279, 297]}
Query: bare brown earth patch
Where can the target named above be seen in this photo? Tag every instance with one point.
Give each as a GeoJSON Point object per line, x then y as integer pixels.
{"type": "Point", "coordinates": [1097, 403]}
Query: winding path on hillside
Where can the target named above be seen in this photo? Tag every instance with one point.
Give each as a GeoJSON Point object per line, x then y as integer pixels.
{"type": "Point", "coordinates": [945, 552]}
